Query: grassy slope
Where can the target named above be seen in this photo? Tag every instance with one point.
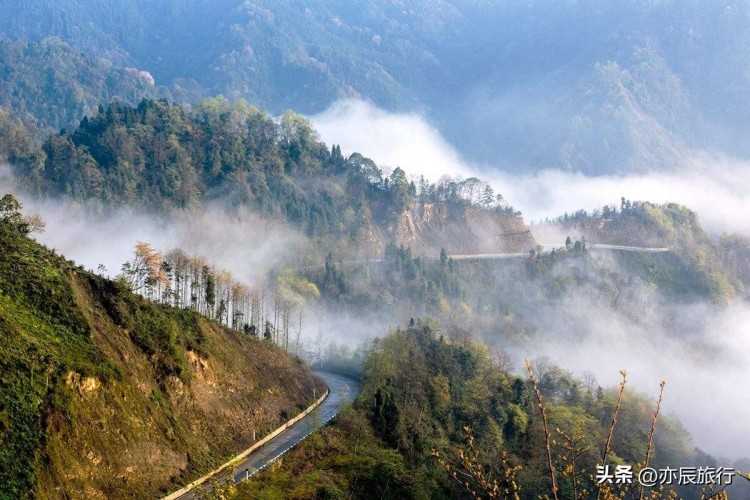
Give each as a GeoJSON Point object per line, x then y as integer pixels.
{"type": "Point", "coordinates": [103, 394]}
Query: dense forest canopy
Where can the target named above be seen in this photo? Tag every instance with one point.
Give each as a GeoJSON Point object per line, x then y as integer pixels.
{"type": "Point", "coordinates": [159, 156]}
{"type": "Point", "coordinates": [50, 85]}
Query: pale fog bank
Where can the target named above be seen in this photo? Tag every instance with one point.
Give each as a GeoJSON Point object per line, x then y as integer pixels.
{"type": "Point", "coordinates": [241, 242]}
{"type": "Point", "coordinates": [713, 186]}
{"type": "Point", "coordinates": [706, 363]}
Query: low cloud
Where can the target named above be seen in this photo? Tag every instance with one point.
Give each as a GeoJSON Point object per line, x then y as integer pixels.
{"type": "Point", "coordinates": [706, 372]}
{"type": "Point", "coordinates": [392, 140]}
{"type": "Point", "coordinates": [242, 242]}
{"type": "Point", "coordinates": [713, 186]}
{"type": "Point", "coordinates": [704, 360]}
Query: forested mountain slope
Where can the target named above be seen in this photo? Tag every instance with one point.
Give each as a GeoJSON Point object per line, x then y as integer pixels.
{"type": "Point", "coordinates": [50, 85]}
{"type": "Point", "coordinates": [435, 404]}
{"type": "Point", "coordinates": [162, 157]}
{"type": "Point", "coordinates": [715, 267]}
{"type": "Point", "coordinates": [106, 395]}
{"type": "Point", "coordinates": [616, 87]}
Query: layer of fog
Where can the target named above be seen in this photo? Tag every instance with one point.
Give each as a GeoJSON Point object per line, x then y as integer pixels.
{"type": "Point", "coordinates": [241, 242]}
{"type": "Point", "coordinates": [712, 186]}
{"type": "Point", "coordinates": [703, 357]}
{"type": "Point", "coordinates": [702, 390]}
{"type": "Point", "coordinates": [705, 380]}
{"type": "Point", "coordinates": [247, 245]}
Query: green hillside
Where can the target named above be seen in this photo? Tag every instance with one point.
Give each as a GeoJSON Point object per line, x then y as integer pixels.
{"type": "Point", "coordinates": [160, 158]}
{"type": "Point", "coordinates": [698, 264]}
{"type": "Point", "coordinates": [434, 404]}
{"type": "Point", "coordinates": [106, 395]}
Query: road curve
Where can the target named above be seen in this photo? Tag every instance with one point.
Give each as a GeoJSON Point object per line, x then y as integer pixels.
{"type": "Point", "coordinates": [342, 390]}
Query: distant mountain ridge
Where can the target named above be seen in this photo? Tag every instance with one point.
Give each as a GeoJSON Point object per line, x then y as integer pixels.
{"type": "Point", "coordinates": [601, 88]}
{"type": "Point", "coordinates": [50, 85]}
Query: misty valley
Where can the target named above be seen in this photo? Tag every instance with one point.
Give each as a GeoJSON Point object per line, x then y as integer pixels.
{"type": "Point", "coordinates": [323, 250]}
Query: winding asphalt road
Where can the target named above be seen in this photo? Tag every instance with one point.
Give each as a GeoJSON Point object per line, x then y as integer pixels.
{"type": "Point", "coordinates": [342, 389]}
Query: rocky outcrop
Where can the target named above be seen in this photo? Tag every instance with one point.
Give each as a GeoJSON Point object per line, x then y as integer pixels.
{"type": "Point", "coordinates": [427, 228]}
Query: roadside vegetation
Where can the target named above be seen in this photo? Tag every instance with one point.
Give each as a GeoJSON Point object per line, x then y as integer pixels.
{"type": "Point", "coordinates": [440, 417]}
